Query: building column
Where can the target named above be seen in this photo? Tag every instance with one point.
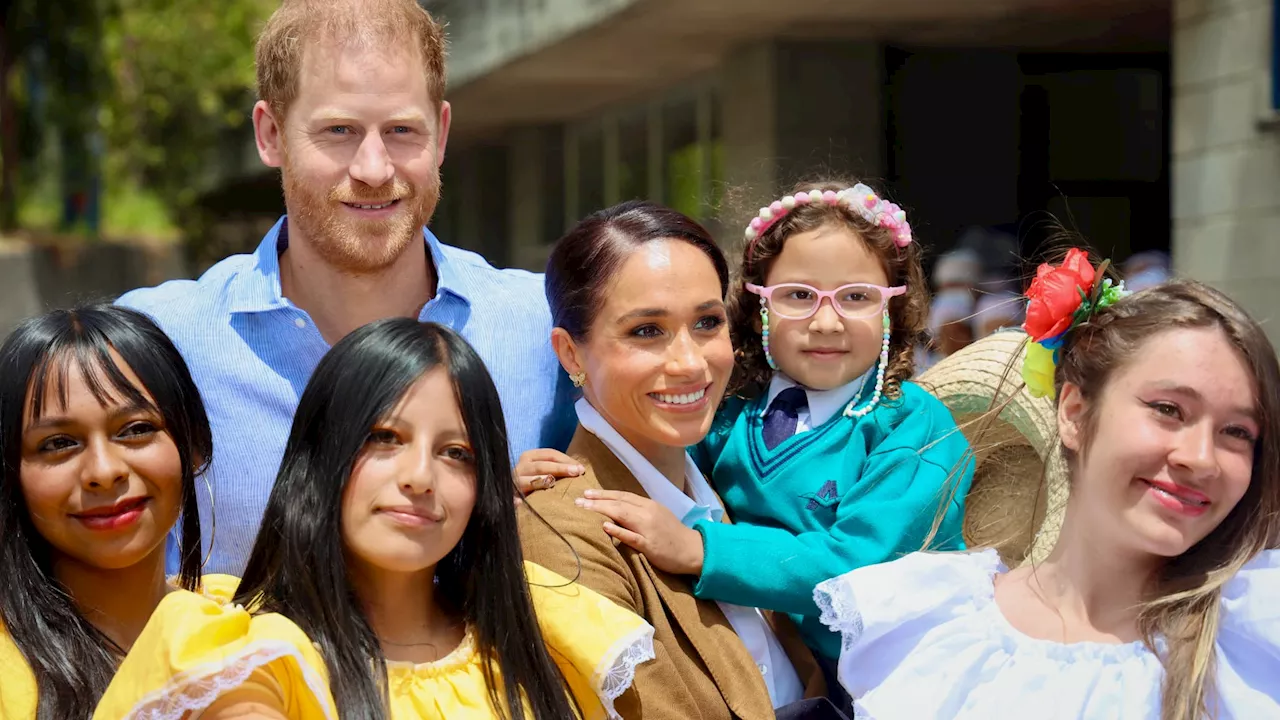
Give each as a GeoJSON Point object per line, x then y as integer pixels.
{"type": "Point", "coordinates": [749, 122]}
{"type": "Point", "coordinates": [536, 190]}
{"type": "Point", "coordinates": [796, 110]}
{"type": "Point", "coordinates": [1226, 152]}
{"type": "Point", "coordinates": [466, 227]}
{"type": "Point", "coordinates": [830, 110]}
{"type": "Point", "coordinates": [526, 208]}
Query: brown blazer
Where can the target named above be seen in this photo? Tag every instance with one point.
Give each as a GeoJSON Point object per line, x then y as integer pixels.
{"type": "Point", "coordinates": [702, 671]}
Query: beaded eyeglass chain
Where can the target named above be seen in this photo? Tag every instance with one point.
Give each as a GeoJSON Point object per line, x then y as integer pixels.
{"type": "Point", "coordinates": [881, 365]}
{"type": "Point", "coordinates": [764, 332]}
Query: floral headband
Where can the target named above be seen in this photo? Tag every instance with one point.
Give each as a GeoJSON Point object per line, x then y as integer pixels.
{"type": "Point", "coordinates": [1059, 299]}
{"type": "Point", "coordinates": [859, 198]}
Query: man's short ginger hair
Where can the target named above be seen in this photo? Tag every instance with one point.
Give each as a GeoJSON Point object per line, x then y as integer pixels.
{"type": "Point", "coordinates": [301, 24]}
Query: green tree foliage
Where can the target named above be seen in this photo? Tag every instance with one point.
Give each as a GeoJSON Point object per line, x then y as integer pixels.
{"type": "Point", "coordinates": [49, 69]}
{"type": "Point", "coordinates": [148, 93]}
{"type": "Point", "coordinates": [182, 89]}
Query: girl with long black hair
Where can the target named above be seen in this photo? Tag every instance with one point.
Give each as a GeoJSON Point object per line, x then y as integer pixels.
{"type": "Point", "coordinates": [387, 580]}
{"type": "Point", "coordinates": [102, 436]}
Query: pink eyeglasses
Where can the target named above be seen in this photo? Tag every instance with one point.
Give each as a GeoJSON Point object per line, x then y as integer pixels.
{"type": "Point", "coordinates": [795, 301]}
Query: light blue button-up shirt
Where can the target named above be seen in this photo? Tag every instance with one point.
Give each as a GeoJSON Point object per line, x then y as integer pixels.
{"type": "Point", "coordinates": [251, 352]}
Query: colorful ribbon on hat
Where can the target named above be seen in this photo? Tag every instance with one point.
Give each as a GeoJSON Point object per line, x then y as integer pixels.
{"type": "Point", "coordinates": [1059, 299]}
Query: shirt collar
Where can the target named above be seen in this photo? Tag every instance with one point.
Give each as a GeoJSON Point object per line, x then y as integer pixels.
{"type": "Point", "coordinates": [704, 505]}
{"type": "Point", "coordinates": [823, 404]}
{"type": "Point", "coordinates": [452, 278]}
{"type": "Point", "coordinates": [257, 289]}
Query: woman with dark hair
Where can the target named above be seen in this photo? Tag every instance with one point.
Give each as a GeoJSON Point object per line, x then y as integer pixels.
{"type": "Point", "coordinates": [102, 434]}
{"type": "Point", "coordinates": [388, 565]}
{"type": "Point", "coordinates": [637, 298]}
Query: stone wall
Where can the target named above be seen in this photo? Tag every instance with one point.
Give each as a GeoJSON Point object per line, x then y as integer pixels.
{"type": "Point", "coordinates": [34, 278]}
{"type": "Point", "coordinates": [1226, 152]}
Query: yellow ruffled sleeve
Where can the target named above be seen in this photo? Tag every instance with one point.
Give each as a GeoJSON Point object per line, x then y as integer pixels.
{"type": "Point", "coordinates": [596, 644]}
{"type": "Point", "coordinates": [196, 649]}
{"type": "Point", "coordinates": [18, 692]}
{"type": "Point", "coordinates": [219, 588]}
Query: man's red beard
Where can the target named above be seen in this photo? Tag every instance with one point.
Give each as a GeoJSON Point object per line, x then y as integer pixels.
{"type": "Point", "coordinates": [348, 242]}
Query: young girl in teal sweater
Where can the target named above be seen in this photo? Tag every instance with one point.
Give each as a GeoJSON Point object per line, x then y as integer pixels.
{"type": "Point", "coordinates": [826, 457]}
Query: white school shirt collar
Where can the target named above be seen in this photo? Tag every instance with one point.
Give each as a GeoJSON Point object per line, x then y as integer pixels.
{"type": "Point", "coordinates": [823, 404]}
{"type": "Point", "coordinates": [703, 505]}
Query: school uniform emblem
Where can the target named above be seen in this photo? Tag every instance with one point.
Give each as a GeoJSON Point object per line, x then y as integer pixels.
{"type": "Point", "coordinates": [826, 496]}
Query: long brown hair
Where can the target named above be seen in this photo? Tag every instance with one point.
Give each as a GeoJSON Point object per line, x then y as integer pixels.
{"type": "Point", "coordinates": [1184, 606]}
{"type": "Point", "coordinates": [907, 313]}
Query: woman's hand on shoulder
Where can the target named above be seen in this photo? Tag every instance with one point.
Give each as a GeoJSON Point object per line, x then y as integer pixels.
{"type": "Point", "coordinates": [539, 469]}
{"type": "Point", "coordinates": [649, 528]}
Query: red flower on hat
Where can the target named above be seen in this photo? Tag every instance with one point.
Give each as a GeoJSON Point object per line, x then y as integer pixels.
{"type": "Point", "coordinates": [1054, 295]}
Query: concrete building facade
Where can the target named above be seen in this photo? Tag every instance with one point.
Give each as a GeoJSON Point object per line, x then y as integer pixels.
{"type": "Point", "coordinates": [1142, 124]}
{"type": "Point", "coordinates": [1226, 149]}
{"type": "Point", "coordinates": [1001, 113]}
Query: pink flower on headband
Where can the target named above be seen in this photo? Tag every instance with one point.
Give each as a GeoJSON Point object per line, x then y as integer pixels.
{"type": "Point", "coordinates": [859, 198]}
{"type": "Point", "coordinates": [893, 217]}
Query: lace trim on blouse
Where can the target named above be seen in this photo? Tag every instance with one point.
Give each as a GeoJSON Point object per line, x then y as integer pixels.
{"type": "Point", "coordinates": [198, 688]}
{"type": "Point", "coordinates": [617, 669]}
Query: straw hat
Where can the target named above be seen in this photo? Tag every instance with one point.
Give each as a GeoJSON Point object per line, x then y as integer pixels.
{"type": "Point", "coordinates": [1014, 504]}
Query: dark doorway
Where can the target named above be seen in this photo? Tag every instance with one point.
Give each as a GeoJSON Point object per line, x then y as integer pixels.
{"type": "Point", "coordinates": [1094, 152]}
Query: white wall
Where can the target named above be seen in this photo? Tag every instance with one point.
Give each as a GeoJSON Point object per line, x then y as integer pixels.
{"type": "Point", "coordinates": [1226, 152]}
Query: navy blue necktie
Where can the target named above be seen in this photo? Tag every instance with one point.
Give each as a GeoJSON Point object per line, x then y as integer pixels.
{"type": "Point", "coordinates": [783, 415]}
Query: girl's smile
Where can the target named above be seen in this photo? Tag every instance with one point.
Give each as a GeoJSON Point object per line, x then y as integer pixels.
{"type": "Point", "coordinates": [826, 350]}
{"type": "Point", "coordinates": [113, 517]}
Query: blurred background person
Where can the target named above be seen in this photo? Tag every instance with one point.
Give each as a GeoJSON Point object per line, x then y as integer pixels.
{"type": "Point", "coordinates": [1147, 269]}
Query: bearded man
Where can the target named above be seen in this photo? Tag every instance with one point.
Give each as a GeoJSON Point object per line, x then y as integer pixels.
{"type": "Point", "coordinates": [352, 111]}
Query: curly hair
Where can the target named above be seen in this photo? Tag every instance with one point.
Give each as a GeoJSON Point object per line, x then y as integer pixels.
{"type": "Point", "coordinates": [907, 313]}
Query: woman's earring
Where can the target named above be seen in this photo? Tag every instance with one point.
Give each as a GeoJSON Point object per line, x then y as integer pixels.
{"type": "Point", "coordinates": [213, 515]}
{"type": "Point", "coordinates": [764, 332]}
{"type": "Point", "coordinates": [579, 379]}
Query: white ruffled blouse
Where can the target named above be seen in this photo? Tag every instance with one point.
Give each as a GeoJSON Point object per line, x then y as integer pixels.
{"type": "Point", "coordinates": [925, 640]}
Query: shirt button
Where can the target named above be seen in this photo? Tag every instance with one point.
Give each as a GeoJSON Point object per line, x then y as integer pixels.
{"type": "Point", "coordinates": [300, 322]}
{"type": "Point", "coordinates": [764, 670]}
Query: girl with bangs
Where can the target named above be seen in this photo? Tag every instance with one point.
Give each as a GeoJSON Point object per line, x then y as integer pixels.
{"type": "Point", "coordinates": [387, 578]}
{"type": "Point", "coordinates": [102, 435]}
